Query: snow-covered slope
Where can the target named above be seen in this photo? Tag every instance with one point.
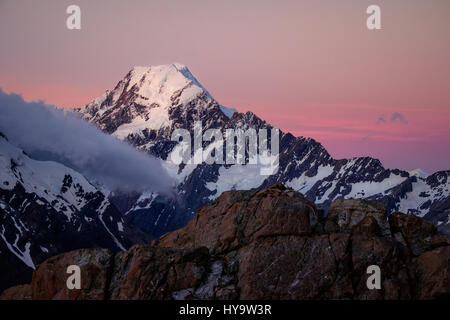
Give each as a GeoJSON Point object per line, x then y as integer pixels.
{"type": "Point", "coordinates": [423, 193]}
{"type": "Point", "coordinates": [61, 187]}
{"type": "Point", "coordinates": [47, 208]}
{"type": "Point", "coordinates": [150, 102]}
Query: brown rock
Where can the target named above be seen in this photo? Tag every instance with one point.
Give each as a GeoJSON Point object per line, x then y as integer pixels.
{"type": "Point", "coordinates": [368, 226]}
{"type": "Point", "coordinates": [433, 274]}
{"type": "Point", "coordinates": [293, 267]}
{"type": "Point", "coordinates": [268, 244]}
{"type": "Point", "coordinates": [236, 218]}
{"type": "Point", "coordinates": [21, 292]}
{"type": "Point", "coordinates": [369, 250]}
{"type": "Point", "coordinates": [150, 272]}
{"type": "Point", "coordinates": [345, 213]}
{"type": "Point", "coordinates": [49, 280]}
{"type": "Point", "coordinates": [417, 233]}
{"type": "Point", "coordinates": [439, 241]}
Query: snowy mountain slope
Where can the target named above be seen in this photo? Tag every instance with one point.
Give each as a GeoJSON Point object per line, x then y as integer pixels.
{"type": "Point", "coordinates": [47, 208]}
{"type": "Point", "coordinates": [150, 102]}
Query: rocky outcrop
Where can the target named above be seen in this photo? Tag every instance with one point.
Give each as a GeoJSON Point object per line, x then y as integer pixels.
{"type": "Point", "coordinates": [269, 244]}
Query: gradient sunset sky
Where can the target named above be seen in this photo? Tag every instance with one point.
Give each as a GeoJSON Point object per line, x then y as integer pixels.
{"type": "Point", "coordinates": [309, 67]}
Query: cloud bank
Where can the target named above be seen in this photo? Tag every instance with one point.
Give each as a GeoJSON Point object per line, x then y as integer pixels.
{"type": "Point", "coordinates": [48, 133]}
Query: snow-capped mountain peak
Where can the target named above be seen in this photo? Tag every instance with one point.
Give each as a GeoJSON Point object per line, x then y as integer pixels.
{"type": "Point", "coordinates": [145, 99]}
{"type": "Point", "coordinates": [159, 84]}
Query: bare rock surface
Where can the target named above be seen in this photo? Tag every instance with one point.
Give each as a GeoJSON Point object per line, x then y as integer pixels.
{"type": "Point", "coordinates": [268, 244]}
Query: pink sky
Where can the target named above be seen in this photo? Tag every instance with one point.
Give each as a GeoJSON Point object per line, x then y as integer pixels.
{"type": "Point", "coordinates": [309, 67]}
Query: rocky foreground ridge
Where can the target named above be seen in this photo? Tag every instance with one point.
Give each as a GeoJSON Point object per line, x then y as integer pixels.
{"type": "Point", "coordinates": [269, 244]}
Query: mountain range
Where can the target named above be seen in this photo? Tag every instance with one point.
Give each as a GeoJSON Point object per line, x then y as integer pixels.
{"type": "Point", "coordinates": [47, 208]}
{"type": "Point", "coordinates": [149, 103]}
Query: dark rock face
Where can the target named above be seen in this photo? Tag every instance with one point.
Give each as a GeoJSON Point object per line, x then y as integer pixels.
{"type": "Point", "coordinates": [432, 274]}
{"type": "Point", "coordinates": [268, 244]}
{"type": "Point", "coordinates": [151, 272]}
{"type": "Point", "coordinates": [417, 233]}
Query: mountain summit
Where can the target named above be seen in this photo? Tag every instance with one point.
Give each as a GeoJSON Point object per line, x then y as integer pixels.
{"type": "Point", "coordinates": [145, 98]}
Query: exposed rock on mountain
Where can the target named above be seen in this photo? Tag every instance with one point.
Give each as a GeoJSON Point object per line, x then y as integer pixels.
{"type": "Point", "coordinates": [345, 214]}
{"type": "Point", "coordinates": [46, 209]}
{"type": "Point", "coordinates": [150, 102]}
{"type": "Point", "coordinates": [268, 244]}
